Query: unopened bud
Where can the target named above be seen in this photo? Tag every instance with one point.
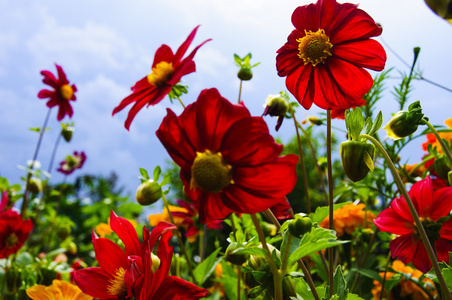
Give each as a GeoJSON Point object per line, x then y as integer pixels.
{"type": "Point", "coordinates": [64, 231]}
{"type": "Point", "coordinates": [357, 159]}
{"type": "Point", "coordinates": [231, 256]}
{"type": "Point", "coordinates": [276, 106]}
{"type": "Point", "coordinates": [35, 185]}
{"type": "Point", "coordinates": [245, 74]}
{"type": "Point", "coordinates": [67, 132]}
{"type": "Point", "coordinates": [148, 193]}
{"type": "Point", "coordinates": [404, 123]}
{"type": "Point", "coordinates": [300, 226]}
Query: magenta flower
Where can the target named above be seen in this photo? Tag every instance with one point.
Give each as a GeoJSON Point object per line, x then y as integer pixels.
{"type": "Point", "coordinates": [72, 162]}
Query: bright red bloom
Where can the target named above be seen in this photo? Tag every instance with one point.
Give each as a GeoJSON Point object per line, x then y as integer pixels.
{"type": "Point", "coordinates": [325, 56]}
{"type": "Point", "coordinates": [167, 71]}
{"type": "Point", "coordinates": [62, 93]}
{"type": "Point", "coordinates": [229, 161]}
{"type": "Point", "coordinates": [13, 232]}
{"type": "Point", "coordinates": [431, 205]}
{"type": "Point", "coordinates": [72, 162]}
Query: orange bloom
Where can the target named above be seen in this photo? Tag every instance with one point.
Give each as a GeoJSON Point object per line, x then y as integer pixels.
{"type": "Point", "coordinates": [104, 229]}
{"type": "Point", "coordinates": [431, 139]}
{"type": "Point", "coordinates": [59, 290]}
{"type": "Point", "coordinates": [408, 288]}
{"type": "Point", "coordinates": [348, 218]}
{"type": "Point", "coordinates": [164, 216]}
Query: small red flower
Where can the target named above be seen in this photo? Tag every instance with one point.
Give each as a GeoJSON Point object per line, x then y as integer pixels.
{"type": "Point", "coordinates": [325, 56]}
{"type": "Point", "coordinates": [167, 71]}
{"type": "Point", "coordinates": [431, 205]}
{"type": "Point", "coordinates": [229, 161]}
{"type": "Point", "coordinates": [62, 93]}
{"type": "Point", "coordinates": [72, 162]}
{"type": "Point", "coordinates": [13, 232]}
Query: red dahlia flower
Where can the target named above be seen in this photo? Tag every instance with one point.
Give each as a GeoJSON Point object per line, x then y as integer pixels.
{"type": "Point", "coordinates": [229, 161]}
{"type": "Point", "coordinates": [72, 162]}
{"type": "Point", "coordinates": [13, 232]}
{"type": "Point", "coordinates": [167, 71]}
{"type": "Point", "coordinates": [431, 205]}
{"type": "Point", "coordinates": [324, 56]}
{"type": "Point", "coordinates": [62, 93]}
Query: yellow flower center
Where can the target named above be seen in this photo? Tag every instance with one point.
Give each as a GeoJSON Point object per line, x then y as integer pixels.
{"type": "Point", "coordinates": [314, 47]}
{"type": "Point", "coordinates": [161, 73]}
{"type": "Point", "coordinates": [210, 172]}
{"type": "Point", "coordinates": [66, 92]}
{"type": "Point", "coordinates": [11, 240]}
{"type": "Point", "coordinates": [117, 286]}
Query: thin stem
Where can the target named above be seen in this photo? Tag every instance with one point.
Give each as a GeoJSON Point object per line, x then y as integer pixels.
{"type": "Point", "coordinates": [440, 140]}
{"type": "Point", "coordinates": [277, 278]}
{"type": "Point", "coordinates": [322, 257]}
{"type": "Point", "coordinates": [179, 239]}
{"type": "Point", "coordinates": [384, 278]}
{"type": "Point", "coordinates": [303, 168]}
{"type": "Point", "coordinates": [363, 259]}
{"type": "Point", "coordinates": [204, 242]}
{"type": "Point", "coordinates": [286, 255]}
{"type": "Point", "coordinates": [413, 211]}
{"type": "Point", "coordinates": [322, 182]}
{"type": "Point", "coordinates": [240, 92]}
{"type": "Point", "coordinates": [239, 279]}
{"type": "Point", "coordinates": [180, 100]}
{"type": "Point", "coordinates": [330, 200]}
{"type": "Point", "coordinates": [26, 193]}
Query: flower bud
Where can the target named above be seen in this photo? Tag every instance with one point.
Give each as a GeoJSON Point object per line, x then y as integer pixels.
{"type": "Point", "coordinates": [259, 263]}
{"type": "Point", "coordinates": [245, 74]}
{"type": "Point", "coordinates": [299, 226]}
{"type": "Point", "coordinates": [441, 166]}
{"type": "Point", "coordinates": [148, 193]}
{"type": "Point", "coordinates": [72, 248]}
{"type": "Point", "coordinates": [404, 123]}
{"type": "Point", "coordinates": [442, 8]}
{"type": "Point", "coordinates": [35, 185]}
{"type": "Point", "coordinates": [64, 231]}
{"type": "Point", "coordinates": [67, 132]}
{"type": "Point", "coordinates": [234, 258]}
{"type": "Point", "coordinates": [315, 121]}
{"type": "Point", "coordinates": [276, 106]}
{"type": "Point", "coordinates": [288, 288]}
{"type": "Point", "coordinates": [356, 158]}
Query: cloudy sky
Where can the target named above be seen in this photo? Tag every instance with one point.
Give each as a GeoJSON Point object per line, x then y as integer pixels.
{"type": "Point", "coordinates": [106, 46]}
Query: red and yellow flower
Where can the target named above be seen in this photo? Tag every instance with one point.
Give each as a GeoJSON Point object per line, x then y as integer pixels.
{"type": "Point", "coordinates": [14, 232]}
{"type": "Point", "coordinates": [59, 290]}
{"type": "Point", "coordinates": [61, 94]}
{"type": "Point", "coordinates": [325, 56]}
{"type": "Point", "coordinates": [72, 162]}
{"type": "Point", "coordinates": [167, 71]}
{"type": "Point", "coordinates": [431, 205]}
{"type": "Point", "coordinates": [229, 161]}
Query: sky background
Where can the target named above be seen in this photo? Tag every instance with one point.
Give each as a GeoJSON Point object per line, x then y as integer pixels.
{"type": "Point", "coordinates": [106, 46]}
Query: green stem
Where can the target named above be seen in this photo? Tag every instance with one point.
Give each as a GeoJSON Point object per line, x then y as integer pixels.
{"type": "Point", "coordinates": [180, 100]}
{"type": "Point", "coordinates": [277, 278]}
{"type": "Point", "coordinates": [240, 92]}
{"type": "Point", "coordinates": [440, 140]}
{"type": "Point", "coordinates": [285, 257]}
{"type": "Point", "coordinates": [413, 211]}
{"type": "Point", "coordinates": [239, 279]}
{"type": "Point", "coordinates": [303, 168]}
{"type": "Point", "coordinates": [26, 193]}
{"type": "Point", "coordinates": [204, 242]}
{"type": "Point", "coordinates": [330, 200]}
{"type": "Point", "coordinates": [317, 167]}
{"type": "Point", "coordinates": [384, 278]}
{"type": "Point", "coordinates": [179, 239]}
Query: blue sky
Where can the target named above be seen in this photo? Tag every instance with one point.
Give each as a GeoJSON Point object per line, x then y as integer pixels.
{"type": "Point", "coordinates": [106, 46]}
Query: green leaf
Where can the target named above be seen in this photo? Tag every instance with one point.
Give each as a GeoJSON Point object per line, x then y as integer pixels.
{"type": "Point", "coordinates": [354, 297]}
{"type": "Point", "coordinates": [206, 268]}
{"type": "Point", "coordinates": [166, 179]}
{"type": "Point", "coordinates": [156, 174]}
{"type": "Point", "coordinates": [377, 124]}
{"type": "Point", "coordinates": [368, 161]}
{"type": "Point", "coordinates": [369, 273]}
{"type": "Point", "coordinates": [24, 259]}
{"type": "Point", "coordinates": [237, 60]}
{"type": "Point", "coordinates": [322, 212]}
{"type": "Point", "coordinates": [303, 290]}
{"type": "Point", "coordinates": [253, 251]}
{"type": "Point", "coordinates": [340, 285]}
{"type": "Point", "coordinates": [368, 125]}
{"type": "Point", "coordinates": [144, 173]}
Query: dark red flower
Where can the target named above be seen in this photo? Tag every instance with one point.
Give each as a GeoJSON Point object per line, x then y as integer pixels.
{"type": "Point", "coordinates": [72, 162]}
{"type": "Point", "coordinates": [229, 161]}
{"type": "Point", "coordinates": [13, 232]}
{"type": "Point", "coordinates": [325, 56]}
{"type": "Point", "coordinates": [431, 205]}
{"type": "Point", "coordinates": [62, 93]}
{"type": "Point", "coordinates": [167, 71]}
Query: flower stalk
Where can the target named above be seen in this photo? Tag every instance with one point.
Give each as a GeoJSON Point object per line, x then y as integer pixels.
{"type": "Point", "coordinates": [330, 200]}
{"type": "Point", "coordinates": [414, 213]}
{"type": "Point", "coordinates": [439, 139]}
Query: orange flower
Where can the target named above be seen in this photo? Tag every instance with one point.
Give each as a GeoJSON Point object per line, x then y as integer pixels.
{"type": "Point", "coordinates": [164, 217]}
{"type": "Point", "coordinates": [59, 290]}
{"type": "Point", "coordinates": [431, 139]}
{"type": "Point", "coordinates": [348, 218]}
{"type": "Point", "coordinates": [104, 229]}
{"type": "Point", "coordinates": [408, 288]}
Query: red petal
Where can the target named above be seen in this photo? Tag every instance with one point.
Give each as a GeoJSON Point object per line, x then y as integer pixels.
{"type": "Point", "coordinates": [364, 53]}
{"type": "Point", "coordinates": [442, 203]}
{"type": "Point", "coordinates": [109, 255]}
{"type": "Point", "coordinates": [307, 17]}
{"type": "Point", "coordinates": [301, 84]}
{"type": "Point", "coordinates": [49, 79]}
{"type": "Point", "coordinates": [211, 207]}
{"type": "Point", "coordinates": [62, 79]}
{"type": "Point", "coordinates": [183, 48]}
{"type": "Point", "coordinates": [443, 247]}
{"type": "Point", "coordinates": [93, 282]}
{"type": "Point", "coordinates": [176, 288]}
{"type": "Point", "coordinates": [164, 53]}
{"type": "Point", "coordinates": [127, 233]}
{"type": "Point", "coordinates": [390, 221]}
{"type": "Point", "coordinates": [45, 94]}
{"type": "Point", "coordinates": [403, 248]}
{"type": "Point", "coordinates": [421, 193]}
{"type": "Point", "coordinates": [446, 230]}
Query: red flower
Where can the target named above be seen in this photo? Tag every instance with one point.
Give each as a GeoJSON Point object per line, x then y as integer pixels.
{"type": "Point", "coordinates": [229, 161]}
{"type": "Point", "coordinates": [72, 162]}
{"type": "Point", "coordinates": [324, 56]}
{"type": "Point", "coordinates": [13, 232]}
{"type": "Point", "coordinates": [62, 93]}
{"type": "Point", "coordinates": [431, 205]}
{"type": "Point", "coordinates": [167, 71]}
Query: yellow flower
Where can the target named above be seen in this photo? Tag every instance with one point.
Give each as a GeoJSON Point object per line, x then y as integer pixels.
{"type": "Point", "coordinates": [59, 290]}
{"type": "Point", "coordinates": [348, 218]}
{"type": "Point", "coordinates": [408, 288]}
{"type": "Point", "coordinates": [431, 139]}
{"type": "Point", "coordinates": [104, 229]}
{"type": "Point", "coordinates": [164, 217]}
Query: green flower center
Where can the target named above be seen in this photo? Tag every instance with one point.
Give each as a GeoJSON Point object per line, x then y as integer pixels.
{"type": "Point", "coordinates": [11, 240]}
{"type": "Point", "coordinates": [314, 47]}
{"type": "Point", "coordinates": [210, 172]}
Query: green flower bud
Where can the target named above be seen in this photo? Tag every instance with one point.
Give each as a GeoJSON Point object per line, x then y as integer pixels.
{"type": "Point", "coordinates": [449, 178]}
{"type": "Point", "coordinates": [276, 106]}
{"type": "Point", "coordinates": [441, 166]}
{"type": "Point", "coordinates": [148, 193]}
{"type": "Point", "coordinates": [404, 123]}
{"type": "Point", "coordinates": [63, 231]}
{"type": "Point", "coordinates": [299, 226]}
{"type": "Point", "coordinates": [245, 74]}
{"type": "Point", "coordinates": [234, 258]}
{"type": "Point", "coordinates": [72, 248]}
{"type": "Point", "coordinates": [35, 185]}
{"type": "Point", "coordinates": [442, 8]}
{"type": "Point", "coordinates": [259, 263]}
{"type": "Point", "coordinates": [288, 288]}
{"type": "Point", "coordinates": [357, 157]}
